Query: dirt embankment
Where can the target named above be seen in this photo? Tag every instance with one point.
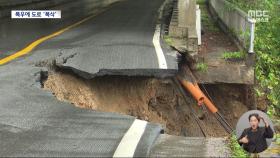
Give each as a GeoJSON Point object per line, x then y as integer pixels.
{"type": "Point", "coordinates": [150, 99]}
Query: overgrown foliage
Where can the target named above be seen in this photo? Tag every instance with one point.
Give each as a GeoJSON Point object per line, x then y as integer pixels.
{"type": "Point", "coordinates": [236, 149]}
{"type": "Point", "coordinates": [277, 138]}
{"type": "Point", "coordinates": [233, 55]}
{"type": "Point", "coordinates": [267, 48]}
{"type": "Point", "coordinates": [201, 66]}
{"type": "Point", "coordinates": [168, 40]}
{"type": "Point", "coordinates": [206, 21]}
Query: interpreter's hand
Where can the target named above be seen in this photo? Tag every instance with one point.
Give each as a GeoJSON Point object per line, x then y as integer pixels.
{"type": "Point", "coordinates": [264, 121]}
{"type": "Point", "coordinates": [244, 140]}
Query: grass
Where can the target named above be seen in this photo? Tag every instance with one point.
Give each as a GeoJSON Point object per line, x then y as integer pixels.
{"type": "Point", "coordinates": [206, 22]}
{"type": "Point", "coordinates": [201, 67]}
{"type": "Point", "coordinates": [168, 40]}
{"type": "Point", "coordinates": [236, 149]}
{"type": "Point", "coordinates": [233, 55]}
{"type": "Point", "coordinates": [201, 2]}
{"type": "Point", "coordinates": [277, 137]}
{"type": "Point", "coordinates": [266, 46]}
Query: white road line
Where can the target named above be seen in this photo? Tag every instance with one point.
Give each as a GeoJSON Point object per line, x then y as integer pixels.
{"type": "Point", "coordinates": [160, 56]}
{"type": "Point", "coordinates": [130, 140]}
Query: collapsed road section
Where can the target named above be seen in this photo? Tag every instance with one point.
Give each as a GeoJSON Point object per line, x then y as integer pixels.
{"type": "Point", "coordinates": [152, 99]}
{"type": "Point", "coordinates": [32, 121]}
{"type": "Point", "coordinates": [110, 68]}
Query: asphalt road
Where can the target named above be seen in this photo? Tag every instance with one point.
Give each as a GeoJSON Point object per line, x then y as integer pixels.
{"type": "Point", "coordinates": [116, 42]}
{"type": "Point", "coordinates": [34, 123]}
{"type": "Point", "coordinates": [119, 41]}
{"type": "Point", "coordinates": [18, 33]}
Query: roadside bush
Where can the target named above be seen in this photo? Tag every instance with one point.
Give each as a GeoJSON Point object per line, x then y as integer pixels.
{"type": "Point", "coordinates": [267, 48]}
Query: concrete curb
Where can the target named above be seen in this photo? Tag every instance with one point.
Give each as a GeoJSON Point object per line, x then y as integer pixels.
{"type": "Point", "coordinates": [177, 146]}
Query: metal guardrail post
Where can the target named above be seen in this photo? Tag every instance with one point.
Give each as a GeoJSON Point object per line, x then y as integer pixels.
{"type": "Point", "coordinates": [198, 24]}
{"type": "Point", "coordinates": [252, 34]}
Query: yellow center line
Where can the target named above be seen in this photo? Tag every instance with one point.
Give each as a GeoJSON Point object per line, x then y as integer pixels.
{"type": "Point", "coordinates": [34, 44]}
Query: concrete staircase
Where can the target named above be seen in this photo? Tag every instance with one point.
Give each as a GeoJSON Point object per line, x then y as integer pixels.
{"type": "Point", "coordinates": [182, 27]}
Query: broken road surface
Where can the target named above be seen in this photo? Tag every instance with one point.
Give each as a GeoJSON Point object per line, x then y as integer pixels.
{"type": "Point", "coordinates": [119, 41]}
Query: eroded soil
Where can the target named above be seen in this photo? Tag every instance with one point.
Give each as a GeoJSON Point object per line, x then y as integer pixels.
{"type": "Point", "coordinates": [154, 100]}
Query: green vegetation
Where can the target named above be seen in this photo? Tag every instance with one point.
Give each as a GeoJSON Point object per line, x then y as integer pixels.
{"type": "Point", "coordinates": [229, 7]}
{"type": "Point", "coordinates": [267, 48]}
{"type": "Point", "coordinates": [236, 149]}
{"type": "Point", "coordinates": [277, 137]}
{"type": "Point", "coordinates": [200, 2]}
{"type": "Point", "coordinates": [233, 55]}
{"type": "Point", "coordinates": [201, 66]}
{"type": "Point", "coordinates": [168, 40]}
{"type": "Point", "coordinates": [205, 19]}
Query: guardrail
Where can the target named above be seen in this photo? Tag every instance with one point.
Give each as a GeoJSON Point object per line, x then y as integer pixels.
{"type": "Point", "coordinates": [238, 23]}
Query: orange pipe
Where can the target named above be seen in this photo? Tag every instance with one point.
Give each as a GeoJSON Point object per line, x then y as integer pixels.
{"type": "Point", "coordinates": [207, 102]}
{"type": "Point", "coordinates": [210, 105]}
{"type": "Point", "coordinates": [198, 95]}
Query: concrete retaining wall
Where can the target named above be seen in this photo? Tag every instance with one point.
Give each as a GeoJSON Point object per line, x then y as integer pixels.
{"type": "Point", "coordinates": [85, 5]}
{"type": "Point", "coordinates": [233, 18]}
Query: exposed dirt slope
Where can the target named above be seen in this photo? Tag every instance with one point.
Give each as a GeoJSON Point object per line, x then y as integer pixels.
{"type": "Point", "coordinates": [146, 98]}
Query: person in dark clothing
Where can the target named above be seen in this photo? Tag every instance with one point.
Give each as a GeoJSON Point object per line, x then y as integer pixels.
{"type": "Point", "coordinates": [253, 139]}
